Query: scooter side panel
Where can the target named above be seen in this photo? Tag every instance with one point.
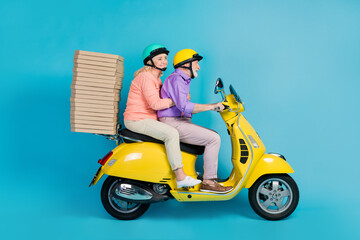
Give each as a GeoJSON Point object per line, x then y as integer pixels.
{"type": "Point", "coordinates": [244, 153]}
{"type": "Point", "coordinates": [240, 131]}
{"type": "Point", "coordinates": [141, 161]}
{"type": "Point", "coordinates": [145, 161]}
{"type": "Point", "coordinates": [268, 164]}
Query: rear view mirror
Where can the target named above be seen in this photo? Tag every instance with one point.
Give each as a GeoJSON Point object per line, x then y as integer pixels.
{"type": "Point", "coordinates": [218, 86]}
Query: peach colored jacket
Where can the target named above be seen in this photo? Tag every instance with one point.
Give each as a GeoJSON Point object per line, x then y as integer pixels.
{"type": "Point", "coordinates": [144, 98]}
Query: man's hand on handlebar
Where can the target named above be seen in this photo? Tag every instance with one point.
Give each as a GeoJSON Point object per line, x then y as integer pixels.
{"type": "Point", "coordinates": [219, 107]}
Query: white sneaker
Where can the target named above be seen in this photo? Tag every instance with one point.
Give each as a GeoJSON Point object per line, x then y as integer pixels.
{"type": "Point", "coordinates": [188, 182]}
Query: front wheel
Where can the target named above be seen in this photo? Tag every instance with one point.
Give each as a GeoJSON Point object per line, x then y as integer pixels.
{"type": "Point", "coordinates": [116, 207]}
{"type": "Point", "coordinates": [274, 196]}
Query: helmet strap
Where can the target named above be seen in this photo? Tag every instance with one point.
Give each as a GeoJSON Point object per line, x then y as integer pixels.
{"type": "Point", "coordinates": [191, 70]}
{"type": "Point", "coordinates": [153, 65]}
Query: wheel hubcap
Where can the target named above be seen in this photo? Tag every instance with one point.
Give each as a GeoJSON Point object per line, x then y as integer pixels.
{"type": "Point", "coordinates": [274, 195]}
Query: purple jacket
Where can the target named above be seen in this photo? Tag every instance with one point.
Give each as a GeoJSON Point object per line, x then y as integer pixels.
{"type": "Point", "coordinates": [177, 87]}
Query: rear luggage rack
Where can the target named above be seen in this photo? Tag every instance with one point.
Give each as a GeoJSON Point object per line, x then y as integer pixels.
{"type": "Point", "coordinates": [117, 137]}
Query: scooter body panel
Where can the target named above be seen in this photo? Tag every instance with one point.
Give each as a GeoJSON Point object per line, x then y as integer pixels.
{"type": "Point", "coordinates": [247, 145]}
{"type": "Point", "coordinates": [145, 161]}
{"type": "Point", "coordinates": [247, 149]}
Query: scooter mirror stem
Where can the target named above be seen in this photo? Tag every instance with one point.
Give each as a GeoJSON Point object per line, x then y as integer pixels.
{"type": "Point", "coordinates": [223, 95]}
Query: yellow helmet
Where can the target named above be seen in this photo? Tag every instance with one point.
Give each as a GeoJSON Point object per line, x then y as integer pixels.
{"type": "Point", "coordinates": [185, 56]}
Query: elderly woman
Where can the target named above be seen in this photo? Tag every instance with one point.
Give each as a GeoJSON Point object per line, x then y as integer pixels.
{"type": "Point", "coordinates": [143, 103]}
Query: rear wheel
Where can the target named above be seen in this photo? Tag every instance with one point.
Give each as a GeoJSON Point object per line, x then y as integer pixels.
{"type": "Point", "coordinates": [116, 207]}
{"type": "Point", "coordinates": [274, 196]}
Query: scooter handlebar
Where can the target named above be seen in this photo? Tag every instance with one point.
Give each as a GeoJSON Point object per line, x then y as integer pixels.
{"type": "Point", "coordinates": [225, 107]}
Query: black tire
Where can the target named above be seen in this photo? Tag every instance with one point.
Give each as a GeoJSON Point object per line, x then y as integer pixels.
{"type": "Point", "coordinates": [274, 196]}
{"type": "Point", "coordinates": [120, 209]}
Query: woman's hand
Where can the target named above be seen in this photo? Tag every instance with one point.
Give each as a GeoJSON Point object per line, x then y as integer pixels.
{"type": "Point", "coordinates": [189, 97]}
{"type": "Point", "coordinates": [171, 102]}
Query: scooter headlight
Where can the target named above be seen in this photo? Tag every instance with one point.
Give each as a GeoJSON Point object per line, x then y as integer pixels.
{"type": "Point", "coordinates": [253, 142]}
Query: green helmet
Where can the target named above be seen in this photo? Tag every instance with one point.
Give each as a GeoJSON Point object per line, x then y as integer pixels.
{"type": "Point", "coordinates": [152, 51]}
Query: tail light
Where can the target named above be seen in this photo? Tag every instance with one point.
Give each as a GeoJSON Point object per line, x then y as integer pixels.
{"type": "Point", "coordinates": [105, 158]}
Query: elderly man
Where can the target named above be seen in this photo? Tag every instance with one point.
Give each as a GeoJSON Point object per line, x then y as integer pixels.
{"type": "Point", "coordinates": [177, 87]}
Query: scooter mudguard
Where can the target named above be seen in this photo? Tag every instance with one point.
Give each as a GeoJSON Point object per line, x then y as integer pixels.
{"type": "Point", "coordinates": [97, 176]}
{"type": "Point", "coordinates": [145, 161]}
{"type": "Point", "coordinates": [268, 164]}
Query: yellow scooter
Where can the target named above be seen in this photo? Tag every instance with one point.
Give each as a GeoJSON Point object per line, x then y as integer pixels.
{"type": "Point", "coordinates": [140, 174]}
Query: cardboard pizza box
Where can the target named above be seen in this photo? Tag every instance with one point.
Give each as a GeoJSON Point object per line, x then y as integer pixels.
{"type": "Point", "coordinates": [96, 54]}
{"type": "Point", "coordinates": [90, 122]}
{"type": "Point", "coordinates": [75, 116]}
{"type": "Point", "coordinates": [98, 72]}
{"type": "Point", "coordinates": [87, 105]}
{"type": "Point", "coordinates": [95, 93]}
{"type": "Point", "coordinates": [79, 94]}
{"type": "Point", "coordinates": [84, 130]}
{"type": "Point", "coordinates": [98, 63]}
{"type": "Point", "coordinates": [117, 82]}
{"type": "Point", "coordinates": [97, 59]}
{"type": "Point", "coordinates": [115, 78]}
{"type": "Point", "coordinates": [119, 69]}
{"type": "Point", "coordinates": [97, 127]}
{"type": "Point", "coordinates": [94, 110]}
{"type": "Point", "coordinates": [95, 89]}
{"type": "Point", "coordinates": [96, 84]}
{"type": "Point", "coordinates": [94, 120]}
{"type": "Point", "coordinates": [94, 101]}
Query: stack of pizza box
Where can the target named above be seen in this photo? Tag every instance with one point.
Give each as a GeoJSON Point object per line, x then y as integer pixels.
{"type": "Point", "coordinates": [95, 92]}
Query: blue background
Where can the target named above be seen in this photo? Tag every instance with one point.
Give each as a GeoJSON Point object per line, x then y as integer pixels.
{"type": "Point", "coordinates": [296, 64]}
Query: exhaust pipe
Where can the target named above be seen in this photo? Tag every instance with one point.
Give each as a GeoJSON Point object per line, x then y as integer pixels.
{"type": "Point", "coordinates": [132, 192]}
{"type": "Point", "coordinates": [136, 193]}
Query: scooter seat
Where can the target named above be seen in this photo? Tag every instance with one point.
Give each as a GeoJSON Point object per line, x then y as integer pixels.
{"type": "Point", "coordinates": [133, 137]}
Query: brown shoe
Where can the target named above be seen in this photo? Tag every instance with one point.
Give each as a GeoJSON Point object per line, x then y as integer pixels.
{"type": "Point", "coordinates": [214, 188]}
{"type": "Point", "coordinates": [219, 180]}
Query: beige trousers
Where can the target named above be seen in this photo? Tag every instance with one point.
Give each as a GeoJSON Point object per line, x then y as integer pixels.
{"type": "Point", "coordinates": [197, 135]}
{"type": "Point", "coordinates": [163, 132]}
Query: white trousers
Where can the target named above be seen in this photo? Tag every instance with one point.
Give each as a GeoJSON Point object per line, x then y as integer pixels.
{"type": "Point", "coordinates": [163, 132]}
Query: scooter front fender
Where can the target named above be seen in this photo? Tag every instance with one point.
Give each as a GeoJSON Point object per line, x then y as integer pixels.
{"type": "Point", "coordinates": [268, 164]}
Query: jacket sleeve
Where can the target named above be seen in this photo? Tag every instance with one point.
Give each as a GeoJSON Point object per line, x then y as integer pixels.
{"type": "Point", "coordinates": [179, 95]}
{"type": "Point", "coordinates": [152, 95]}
